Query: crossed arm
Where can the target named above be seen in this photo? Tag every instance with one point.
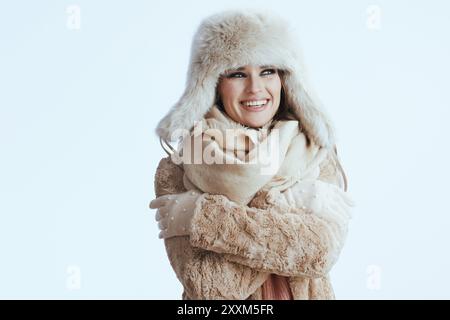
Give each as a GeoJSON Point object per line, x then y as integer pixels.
{"type": "Point", "coordinates": [232, 248]}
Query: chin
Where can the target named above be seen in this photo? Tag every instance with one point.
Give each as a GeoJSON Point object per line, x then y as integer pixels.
{"type": "Point", "coordinates": [256, 123]}
{"type": "Point", "coordinates": [257, 119]}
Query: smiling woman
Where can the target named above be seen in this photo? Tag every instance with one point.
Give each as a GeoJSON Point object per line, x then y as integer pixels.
{"type": "Point", "coordinates": [234, 230]}
{"type": "Point", "coordinates": [252, 96]}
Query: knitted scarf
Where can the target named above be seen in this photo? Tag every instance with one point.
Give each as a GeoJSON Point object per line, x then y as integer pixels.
{"type": "Point", "coordinates": [224, 157]}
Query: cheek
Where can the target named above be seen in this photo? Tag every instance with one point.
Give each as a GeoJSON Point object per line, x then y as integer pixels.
{"type": "Point", "coordinates": [275, 87]}
{"type": "Point", "coordinates": [229, 91]}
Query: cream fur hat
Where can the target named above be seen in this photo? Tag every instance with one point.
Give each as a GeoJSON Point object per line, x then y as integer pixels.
{"type": "Point", "coordinates": [231, 39]}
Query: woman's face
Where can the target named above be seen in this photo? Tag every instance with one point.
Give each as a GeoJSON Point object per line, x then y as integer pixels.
{"type": "Point", "coordinates": [250, 94]}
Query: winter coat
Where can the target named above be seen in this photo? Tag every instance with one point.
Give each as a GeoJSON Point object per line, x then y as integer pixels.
{"type": "Point", "coordinates": [301, 247]}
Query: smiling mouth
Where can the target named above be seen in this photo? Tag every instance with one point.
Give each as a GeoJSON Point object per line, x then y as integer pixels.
{"type": "Point", "coordinates": [255, 105]}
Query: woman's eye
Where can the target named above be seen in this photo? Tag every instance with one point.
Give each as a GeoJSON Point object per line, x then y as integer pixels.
{"type": "Point", "coordinates": [269, 71]}
{"type": "Point", "coordinates": [241, 74]}
{"type": "Point", "coordinates": [236, 75]}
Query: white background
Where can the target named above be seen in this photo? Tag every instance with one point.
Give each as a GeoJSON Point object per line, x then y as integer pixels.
{"type": "Point", "coordinates": [78, 108]}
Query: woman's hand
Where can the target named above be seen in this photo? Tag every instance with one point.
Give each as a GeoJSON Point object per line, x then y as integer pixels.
{"type": "Point", "coordinates": [175, 213]}
{"type": "Point", "coordinates": [320, 198]}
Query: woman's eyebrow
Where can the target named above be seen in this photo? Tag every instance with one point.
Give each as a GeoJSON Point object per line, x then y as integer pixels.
{"type": "Point", "coordinates": [236, 69]}
{"type": "Point", "coordinates": [243, 68]}
{"type": "Point", "coordinates": [267, 66]}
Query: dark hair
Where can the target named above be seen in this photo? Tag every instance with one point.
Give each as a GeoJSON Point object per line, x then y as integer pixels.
{"type": "Point", "coordinates": [283, 110]}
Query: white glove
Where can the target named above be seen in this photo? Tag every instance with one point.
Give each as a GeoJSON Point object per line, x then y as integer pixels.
{"type": "Point", "coordinates": [312, 171]}
{"type": "Point", "coordinates": [175, 212]}
{"type": "Point", "coordinates": [320, 198]}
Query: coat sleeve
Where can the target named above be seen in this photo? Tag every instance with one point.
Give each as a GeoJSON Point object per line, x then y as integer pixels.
{"type": "Point", "coordinates": [270, 238]}
{"type": "Point", "coordinates": [203, 274]}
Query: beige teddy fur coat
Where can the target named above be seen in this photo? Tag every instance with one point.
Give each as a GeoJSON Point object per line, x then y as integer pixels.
{"type": "Point", "coordinates": [219, 260]}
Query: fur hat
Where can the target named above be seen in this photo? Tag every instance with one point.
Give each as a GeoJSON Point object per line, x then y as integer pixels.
{"type": "Point", "coordinates": [231, 39]}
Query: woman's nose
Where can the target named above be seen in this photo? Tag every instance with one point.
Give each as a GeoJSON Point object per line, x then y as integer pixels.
{"type": "Point", "coordinates": [255, 84]}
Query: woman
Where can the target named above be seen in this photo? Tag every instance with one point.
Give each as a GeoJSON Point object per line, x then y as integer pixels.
{"type": "Point", "coordinates": [260, 213]}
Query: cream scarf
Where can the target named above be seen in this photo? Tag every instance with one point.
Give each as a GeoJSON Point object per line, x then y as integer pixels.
{"type": "Point", "coordinates": [224, 157]}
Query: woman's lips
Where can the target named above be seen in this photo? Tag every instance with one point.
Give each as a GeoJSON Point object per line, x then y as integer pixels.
{"type": "Point", "coordinates": [256, 109]}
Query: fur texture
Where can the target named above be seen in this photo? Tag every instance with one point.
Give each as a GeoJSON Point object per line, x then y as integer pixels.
{"type": "Point", "coordinates": [232, 39]}
{"type": "Point", "coordinates": [233, 249]}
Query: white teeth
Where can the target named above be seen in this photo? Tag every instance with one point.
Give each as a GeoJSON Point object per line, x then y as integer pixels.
{"type": "Point", "coordinates": [255, 103]}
